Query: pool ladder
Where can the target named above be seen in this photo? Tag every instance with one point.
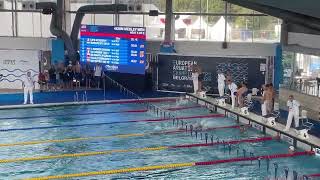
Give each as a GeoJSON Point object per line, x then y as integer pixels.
{"type": "Point", "coordinates": [84, 97]}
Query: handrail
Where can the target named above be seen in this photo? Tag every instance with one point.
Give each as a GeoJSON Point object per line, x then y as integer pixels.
{"type": "Point", "coordinates": [151, 107]}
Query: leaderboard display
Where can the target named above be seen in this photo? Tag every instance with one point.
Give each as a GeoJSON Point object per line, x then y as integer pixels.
{"type": "Point", "coordinates": [116, 48]}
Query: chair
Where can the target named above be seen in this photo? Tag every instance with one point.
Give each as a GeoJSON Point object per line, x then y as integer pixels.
{"type": "Point", "coordinates": [306, 125]}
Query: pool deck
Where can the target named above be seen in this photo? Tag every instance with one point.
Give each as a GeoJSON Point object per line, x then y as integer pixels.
{"type": "Point", "coordinates": [253, 119]}
{"type": "Point", "coordinates": [22, 106]}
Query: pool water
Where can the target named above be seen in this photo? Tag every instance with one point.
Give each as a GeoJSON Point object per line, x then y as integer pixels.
{"type": "Point", "coordinates": [86, 121]}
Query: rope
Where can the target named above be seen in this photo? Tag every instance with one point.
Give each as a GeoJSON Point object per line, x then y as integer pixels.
{"type": "Point", "coordinates": [116, 171]}
{"type": "Point", "coordinates": [125, 150]}
{"type": "Point", "coordinates": [313, 175]}
{"type": "Point", "coordinates": [169, 166]}
{"type": "Point", "coordinates": [97, 113]}
{"type": "Point", "coordinates": [106, 123]}
{"type": "Point", "coordinates": [109, 137]}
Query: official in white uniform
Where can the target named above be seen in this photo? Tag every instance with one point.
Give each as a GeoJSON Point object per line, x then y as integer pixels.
{"type": "Point", "coordinates": [233, 88]}
{"type": "Point", "coordinates": [221, 83]}
{"type": "Point", "coordinates": [195, 80]}
{"type": "Point", "coordinates": [28, 85]}
{"type": "Point", "coordinates": [293, 106]}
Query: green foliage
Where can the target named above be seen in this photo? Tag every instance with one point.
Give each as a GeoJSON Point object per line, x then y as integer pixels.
{"type": "Point", "coordinates": [218, 6]}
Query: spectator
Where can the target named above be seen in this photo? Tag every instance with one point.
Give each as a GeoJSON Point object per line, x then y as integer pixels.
{"type": "Point", "coordinates": [42, 81]}
{"type": "Point", "coordinates": [88, 75]}
{"type": "Point", "coordinates": [70, 76]}
{"type": "Point", "coordinates": [97, 74]}
{"type": "Point", "coordinates": [77, 74]}
{"type": "Point", "coordinates": [52, 77]}
{"type": "Point", "coordinates": [28, 86]}
{"type": "Point", "coordinates": [59, 75]}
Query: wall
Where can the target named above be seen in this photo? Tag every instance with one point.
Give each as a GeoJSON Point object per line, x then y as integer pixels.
{"type": "Point", "coordinates": [309, 103]}
{"type": "Point", "coordinates": [215, 48]}
{"type": "Point", "coordinates": [182, 47]}
{"type": "Point", "coordinates": [25, 43]}
{"type": "Point", "coordinates": [304, 40]}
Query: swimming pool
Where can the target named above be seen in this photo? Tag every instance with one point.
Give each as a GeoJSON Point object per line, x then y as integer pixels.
{"type": "Point", "coordinates": [92, 139]}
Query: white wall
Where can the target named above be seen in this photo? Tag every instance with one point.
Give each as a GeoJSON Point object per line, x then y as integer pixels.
{"type": "Point", "coordinates": [305, 40]}
{"type": "Point", "coordinates": [215, 48]}
{"type": "Point", "coordinates": [182, 47]}
{"type": "Point", "coordinates": [25, 43]}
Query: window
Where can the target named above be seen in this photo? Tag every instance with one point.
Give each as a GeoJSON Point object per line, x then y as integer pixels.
{"type": "Point", "coordinates": [241, 28]}
{"type": "Point", "coordinates": [29, 24]}
{"type": "Point", "coordinates": [186, 6]}
{"type": "Point", "coordinates": [131, 20]}
{"type": "Point", "coordinates": [6, 24]}
{"type": "Point", "coordinates": [103, 19]}
{"type": "Point", "coordinates": [212, 6]}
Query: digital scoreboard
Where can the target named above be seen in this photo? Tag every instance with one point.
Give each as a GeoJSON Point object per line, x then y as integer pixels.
{"type": "Point", "coordinates": [116, 48]}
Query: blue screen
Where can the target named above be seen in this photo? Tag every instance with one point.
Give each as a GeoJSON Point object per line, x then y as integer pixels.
{"type": "Point", "coordinates": [116, 48]}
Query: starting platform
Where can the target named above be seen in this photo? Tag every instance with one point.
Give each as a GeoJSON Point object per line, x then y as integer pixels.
{"type": "Point", "coordinates": [258, 122]}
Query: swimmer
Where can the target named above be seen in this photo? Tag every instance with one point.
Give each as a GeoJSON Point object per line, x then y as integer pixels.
{"type": "Point", "coordinates": [291, 150]}
{"type": "Point", "coordinates": [243, 128]}
{"type": "Point", "coordinates": [203, 124]}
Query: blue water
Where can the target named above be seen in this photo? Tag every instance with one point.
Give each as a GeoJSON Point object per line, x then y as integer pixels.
{"type": "Point", "coordinates": [241, 170]}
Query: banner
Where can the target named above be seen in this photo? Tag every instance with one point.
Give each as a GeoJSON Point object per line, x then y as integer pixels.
{"type": "Point", "coordinates": [14, 64]}
{"type": "Point", "coordinates": [175, 73]}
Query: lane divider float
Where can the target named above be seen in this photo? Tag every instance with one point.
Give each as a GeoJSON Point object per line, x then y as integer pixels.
{"type": "Point", "coordinates": [116, 122]}
{"type": "Point", "coordinates": [114, 136]}
{"type": "Point", "coordinates": [173, 166]}
{"type": "Point", "coordinates": [99, 113]}
{"type": "Point", "coordinates": [37, 158]}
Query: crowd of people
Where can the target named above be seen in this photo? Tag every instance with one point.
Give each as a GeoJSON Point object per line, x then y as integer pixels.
{"type": "Point", "coordinates": [71, 76]}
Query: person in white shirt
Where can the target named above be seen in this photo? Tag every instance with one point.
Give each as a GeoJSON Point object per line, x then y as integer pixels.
{"type": "Point", "coordinates": [233, 89]}
{"type": "Point", "coordinates": [221, 83]}
{"type": "Point", "coordinates": [195, 79]}
{"type": "Point", "coordinates": [97, 74]}
{"type": "Point", "coordinates": [28, 85]}
{"type": "Point", "coordinates": [293, 106]}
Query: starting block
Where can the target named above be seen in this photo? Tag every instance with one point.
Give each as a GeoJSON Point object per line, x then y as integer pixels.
{"type": "Point", "coordinates": [244, 111]}
{"type": "Point", "coordinates": [303, 134]}
{"type": "Point", "coordinates": [271, 121]}
{"type": "Point", "coordinates": [203, 94]}
{"type": "Point", "coordinates": [221, 102]}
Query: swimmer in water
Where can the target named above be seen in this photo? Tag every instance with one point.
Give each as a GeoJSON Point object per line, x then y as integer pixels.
{"type": "Point", "coordinates": [243, 128]}
{"type": "Point", "coordinates": [291, 150]}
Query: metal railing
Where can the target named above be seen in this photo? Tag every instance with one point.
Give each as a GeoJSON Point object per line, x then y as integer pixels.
{"type": "Point", "coordinates": [157, 110]}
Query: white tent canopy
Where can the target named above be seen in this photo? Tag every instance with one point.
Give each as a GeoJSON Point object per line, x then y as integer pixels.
{"type": "Point", "coordinates": [217, 31]}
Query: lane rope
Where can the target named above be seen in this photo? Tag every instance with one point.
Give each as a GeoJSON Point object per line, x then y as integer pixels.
{"type": "Point", "coordinates": [113, 136]}
{"type": "Point", "coordinates": [313, 175]}
{"type": "Point", "coordinates": [37, 158]}
{"type": "Point", "coordinates": [99, 113]}
{"type": "Point", "coordinates": [171, 166]}
{"type": "Point", "coordinates": [116, 122]}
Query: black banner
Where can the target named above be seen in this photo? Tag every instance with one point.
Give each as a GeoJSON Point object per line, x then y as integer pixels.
{"type": "Point", "coordinates": [174, 71]}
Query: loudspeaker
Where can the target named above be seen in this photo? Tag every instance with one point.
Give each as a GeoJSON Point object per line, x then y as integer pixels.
{"type": "Point", "coordinates": [1, 4]}
{"type": "Point", "coordinates": [28, 5]}
{"type": "Point", "coordinates": [224, 45]}
{"type": "Point", "coordinates": [153, 13]}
